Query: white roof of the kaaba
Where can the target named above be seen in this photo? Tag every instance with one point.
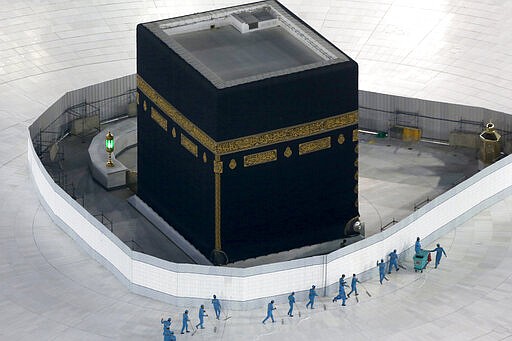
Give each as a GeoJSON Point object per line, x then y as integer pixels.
{"type": "Point", "coordinates": [246, 43]}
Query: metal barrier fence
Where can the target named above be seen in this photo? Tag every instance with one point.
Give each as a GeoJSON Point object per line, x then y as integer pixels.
{"type": "Point", "coordinates": [380, 112]}
{"type": "Point", "coordinates": [103, 101]}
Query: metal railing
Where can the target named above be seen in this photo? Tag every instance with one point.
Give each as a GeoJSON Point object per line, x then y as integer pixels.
{"type": "Point", "coordinates": [418, 120]}
{"type": "Point", "coordinates": [107, 109]}
{"type": "Point", "coordinates": [391, 223]}
{"type": "Point", "coordinates": [418, 205]}
{"type": "Point", "coordinates": [134, 245]}
{"type": "Point", "coordinates": [105, 221]}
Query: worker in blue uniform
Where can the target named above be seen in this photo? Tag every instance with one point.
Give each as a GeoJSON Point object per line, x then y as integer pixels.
{"type": "Point", "coordinates": [169, 335]}
{"type": "Point", "coordinates": [166, 323]}
{"type": "Point", "coordinates": [353, 285]}
{"type": "Point", "coordinates": [382, 269]}
{"type": "Point", "coordinates": [202, 314]}
{"type": "Point", "coordinates": [341, 291]}
{"type": "Point", "coordinates": [312, 295]}
{"type": "Point", "coordinates": [342, 281]}
{"type": "Point", "coordinates": [417, 246]}
{"type": "Point", "coordinates": [291, 302]}
{"type": "Point", "coordinates": [393, 261]}
{"type": "Point", "coordinates": [216, 306]}
{"type": "Point", "coordinates": [439, 253]}
{"type": "Point", "coordinates": [185, 322]}
{"type": "Point", "coordinates": [270, 312]}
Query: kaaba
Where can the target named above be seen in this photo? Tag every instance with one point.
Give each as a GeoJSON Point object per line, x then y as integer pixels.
{"type": "Point", "coordinates": [247, 130]}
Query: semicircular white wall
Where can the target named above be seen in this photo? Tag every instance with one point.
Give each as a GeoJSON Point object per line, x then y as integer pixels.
{"type": "Point", "coordinates": [248, 287]}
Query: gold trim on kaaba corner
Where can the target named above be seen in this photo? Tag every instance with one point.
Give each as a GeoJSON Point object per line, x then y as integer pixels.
{"type": "Point", "coordinates": [341, 139]}
{"type": "Point", "coordinates": [356, 175]}
{"type": "Point", "coordinates": [218, 166]}
{"type": "Point", "coordinates": [173, 132]}
{"type": "Point", "coordinates": [356, 163]}
{"type": "Point", "coordinates": [205, 159]}
{"type": "Point", "coordinates": [355, 135]}
{"type": "Point", "coordinates": [162, 122]}
{"type": "Point", "coordinates": [356, 149]}
{"type": "Point", "coordinates": [252, 141]}
{"type": "Point", "coordinates": [356, 189]}
{"type": "Point", "coordinates": [288, 152]}
{"type": "Point", "coordinates": [259, 158]}
{"type": "Point", "coordinates": [145, 106]}
{"type": "Point", "coordinates": [189, 145]}
{"type": "Point", "coordinates": [137, 97]}
{"type": "Point", "coordinates": [232, 164]}
{"type": "Point", "coordinates": [315, 145]}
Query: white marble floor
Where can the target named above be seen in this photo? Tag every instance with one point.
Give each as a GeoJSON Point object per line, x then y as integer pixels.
{"type": "Point", "coordinates": [455, 51]}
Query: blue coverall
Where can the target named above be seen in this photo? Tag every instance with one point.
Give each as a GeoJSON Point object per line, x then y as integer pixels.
{"type": "Point", "coordinates": [202, 314]}
{"type": "Point", "coordinates": [353, 286]}
{"type": "Point", "coordinates": [216, 307]}
{"type": "Point", "coordinates": [270, 310]}
{"type": "Point", "coordinates": [417, 246]}
{"type": "Point", "coordinates": [382, 271]}
{"type": "Point", "coordinates": [169, 335]}
{"type": "Point", "coordinates": [185, 323]}
{"type": "Point", "coordinates": [341, 293]}
{"type": "Point", "coordinates": [393, 261]}
{"type": "Point", "coordinates": [439, 253]}
{"type": "Point", "coordinates": [312, 295]}
{"type": "Point", "coordinates": [291, 302]}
